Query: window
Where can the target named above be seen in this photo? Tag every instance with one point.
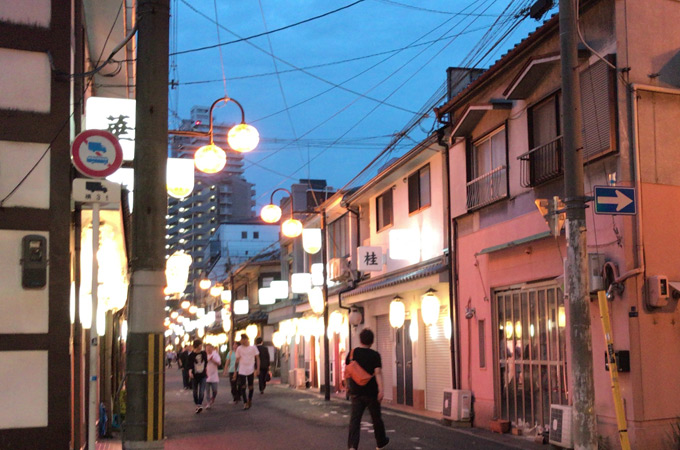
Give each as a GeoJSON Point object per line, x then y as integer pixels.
{"type": "Point", "coordinates": [482, 344]}
{"type": "Point", "coordinates": [383, 210]}
{"type": "Point", "coordinates": [596, 110]}
{"type": "Point", "coordinates": [256, 235]}
{"type": "Point", "coordinates": [487, 170]}
{"type": "Point", "coordinates": [338, 233]}
{"type": "Point", "coordinates": [244, 235]}
{"type": "Point", "coordinates": [419, 189]}
{"type": "Point", "coordinates": [544, 161]}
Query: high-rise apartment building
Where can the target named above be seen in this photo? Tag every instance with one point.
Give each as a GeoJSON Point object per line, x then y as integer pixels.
{"type": "Point", "coordinates": [217, 198]}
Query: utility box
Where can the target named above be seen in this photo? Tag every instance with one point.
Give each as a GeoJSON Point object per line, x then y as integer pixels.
{"type": "Point", "coordinates": [457, 404]}
{"type": "Point", "coordinates": [595, 264]}
{"type": "Point", "coordinates": [657, 291]}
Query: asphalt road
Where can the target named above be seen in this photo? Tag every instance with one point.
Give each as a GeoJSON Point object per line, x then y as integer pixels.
{"type": "Point", "coordinates": [285, 419]}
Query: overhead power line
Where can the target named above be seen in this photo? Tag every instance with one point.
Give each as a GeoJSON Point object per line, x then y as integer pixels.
{"type": "Point", "coordinates": [207, 47]}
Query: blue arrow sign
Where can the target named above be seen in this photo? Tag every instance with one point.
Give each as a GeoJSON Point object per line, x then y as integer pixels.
{"type": "Point", "coordinates": [615, 200]}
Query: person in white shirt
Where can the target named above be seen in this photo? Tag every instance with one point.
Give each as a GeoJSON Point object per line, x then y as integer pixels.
{"type": "Point", "coordinates": [247, 368]}
{"type": "Point", "coordinates": [213, 379]}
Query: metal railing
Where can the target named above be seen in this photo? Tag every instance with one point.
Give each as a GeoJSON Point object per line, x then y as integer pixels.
{"type": "Point", "coordinates": [487, 188]}
{"type": "Point", "coordinates": [541, 164]}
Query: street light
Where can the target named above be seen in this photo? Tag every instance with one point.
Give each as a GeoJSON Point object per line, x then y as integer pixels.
{"type": "Point", "coordinates": [271, 214]}
{"type": "Point", "coordinates": [241, 138]}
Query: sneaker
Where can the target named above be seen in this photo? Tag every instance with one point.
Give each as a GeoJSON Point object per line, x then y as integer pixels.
{"type": "Point", "coordinates": [380, 447]}
{"type": "Point", "coordinates": [235, 401]}
{"type": "Point", "coordinates": [208, 406]}
{"type": "Point", "coordinates": [199, 409]}
{"type": "Point", "coordinates": [246, 406]}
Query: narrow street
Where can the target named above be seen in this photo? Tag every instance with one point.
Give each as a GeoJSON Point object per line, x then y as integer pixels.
{"type": "Point", "coordinates": [284, 418]}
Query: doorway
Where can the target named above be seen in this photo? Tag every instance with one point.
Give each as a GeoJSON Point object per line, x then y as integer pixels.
{"type": "Point", "coordinates": [404, 365]}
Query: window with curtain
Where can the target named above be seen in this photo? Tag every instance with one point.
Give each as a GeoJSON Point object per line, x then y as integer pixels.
{"type": "Point", "coordinates": [383, 210]}
{"type": "Point", "coordinates": [419, 189]}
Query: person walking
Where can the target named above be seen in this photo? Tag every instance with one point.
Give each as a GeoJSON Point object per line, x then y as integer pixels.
{"type": "Point", "coordinates": [183, 362]}
{"type": "Point", "coordinates": [247, 368]}
{"type": "Point", "coordinates": [213, 375]}
{"type": "Point", "coordinates": [264, 364]}
{"type": "Point", "coordinates": [230, 370]}
{"type": "Point", "coordinates": [369, 395]}
{"type": "Point", "coordinates": [197, 372]}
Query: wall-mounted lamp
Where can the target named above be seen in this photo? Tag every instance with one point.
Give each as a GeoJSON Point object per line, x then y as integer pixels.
{"type": "Point", "coordinates": [356, 316]}
{"type": "Point", "coordinates": [241, 138]}
{"type": "Point", "coordinates": [470, 312]}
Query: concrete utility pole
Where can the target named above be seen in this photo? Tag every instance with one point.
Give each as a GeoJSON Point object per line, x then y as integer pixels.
{"type": "Point", "coordinates": [143, 427]}
{"type": "Point", "coordinates": [583, 392]}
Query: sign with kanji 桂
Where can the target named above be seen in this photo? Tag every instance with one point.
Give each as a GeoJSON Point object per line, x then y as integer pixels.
{"type": "Point", "coordinates": [370, 259]}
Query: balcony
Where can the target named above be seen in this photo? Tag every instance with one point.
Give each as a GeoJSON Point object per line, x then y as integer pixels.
{"type": "Point", "coordinates": [487, 188]}
{"type": "Point", "coordinates": [541, 164]}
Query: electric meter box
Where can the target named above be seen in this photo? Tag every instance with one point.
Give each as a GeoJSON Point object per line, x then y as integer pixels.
{"type": "Point", "coordinates": [657, 291]}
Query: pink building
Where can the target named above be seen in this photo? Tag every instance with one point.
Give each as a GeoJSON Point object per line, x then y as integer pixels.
{"type": "Point", "coordinates": [506, 153]}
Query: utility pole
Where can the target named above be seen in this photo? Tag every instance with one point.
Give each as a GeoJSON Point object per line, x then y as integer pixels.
{"type": "Point", "coordinates": [326, 343]}
{"type": "Point", "coordinates": [583, 392]}
{"type": "Point", "coordinates": [143, 427]}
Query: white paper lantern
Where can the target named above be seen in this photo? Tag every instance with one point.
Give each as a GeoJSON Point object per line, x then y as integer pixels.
{"type": "Point", "coordinates": [397, 313]}
{"type": "Point", "coordinates": [413, 330]}
{"type": "Point", "coordinates": [315, 295]}
{"type": "Point", "coordinates": [216, 290]}
{"type": "Point", "coordinates": [279, 288]}
{"type": "Point", "coordinates": [447, 327]}
{"type": "Point", "coordinates": [429, 307]}
{"type": "Point", "coordinates": [241, 307]}
{"type": "Point", "coordinates": [335, 322]}
{"type": "Point", "coordinates": [251, 332]}
{"type": "Point", "coordinates": [311, 240]}
{"type": "Point", "coordinates": [177, 272]}
{"type": "Point", "coordinates": [225, 296]}
{"type": "Point", "coordinates": [265, 296]}
{"type": "Point", "coordinates": [209, 318]}
{"type": "Point", "coordinates": [301, 283]}
{"type": "Point", "coordinates": [278, 339]}
{"type": "Point", "coordinates": [180, 177]}
{"type": "Point", "coordinates": [317, 274]}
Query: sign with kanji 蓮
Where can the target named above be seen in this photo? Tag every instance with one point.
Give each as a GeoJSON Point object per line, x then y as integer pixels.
{"type": "Point", "coordinates": [370, 259]}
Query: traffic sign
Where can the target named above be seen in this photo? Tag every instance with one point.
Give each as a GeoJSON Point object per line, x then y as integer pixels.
{"type": "Point", "coordinates": [95, 191]}
{"type": "Point", "coordinates": [96, 153]}
{"type": "Point", "coordinates": [615, 200]}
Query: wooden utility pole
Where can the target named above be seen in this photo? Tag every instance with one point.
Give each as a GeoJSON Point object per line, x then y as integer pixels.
{"type": "Point", "coordinates": [583, 392]}
{"type": "Point", "coordinates": [143, 426]}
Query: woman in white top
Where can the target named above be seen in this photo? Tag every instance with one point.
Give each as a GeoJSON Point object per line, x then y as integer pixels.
{"type": "Point", "coordinates": [212, 371]}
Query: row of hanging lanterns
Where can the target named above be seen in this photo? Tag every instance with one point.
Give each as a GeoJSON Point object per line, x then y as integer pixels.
{"type": "Point", "coordinates": [429, 307]}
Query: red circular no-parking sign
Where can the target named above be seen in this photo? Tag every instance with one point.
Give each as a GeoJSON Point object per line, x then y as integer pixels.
{"type": "Point", "coordinates": [96, 153]}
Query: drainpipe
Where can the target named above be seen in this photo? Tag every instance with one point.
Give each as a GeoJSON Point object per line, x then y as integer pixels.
{"type": "Point", "coordinates": [451, 266]}
{"type": "Point", "coordinates": [352, 284]}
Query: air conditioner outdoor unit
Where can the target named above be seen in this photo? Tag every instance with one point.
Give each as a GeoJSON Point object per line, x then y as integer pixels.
{"type": "Point", "coordinates": [457, 404]}
{"type": "Point", "coordinates": [339, 270]}
{"type": "Point", "coordinates": [298, 378]}
{"type": "Point", "coordinates": [560, 426]}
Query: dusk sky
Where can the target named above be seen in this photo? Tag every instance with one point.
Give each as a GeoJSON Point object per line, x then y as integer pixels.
{"type": "Point", "coordinates": [389, 59]}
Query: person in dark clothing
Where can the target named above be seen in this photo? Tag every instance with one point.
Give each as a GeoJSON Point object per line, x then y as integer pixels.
{"type": "Point", "coordinates": [197, 363]}
{"type": "Point", "coordinates": [368, 396]}
{"type": "Point", "coordinates": [264, 364]}
{"type": "Point", "coordinates": [183, 361]}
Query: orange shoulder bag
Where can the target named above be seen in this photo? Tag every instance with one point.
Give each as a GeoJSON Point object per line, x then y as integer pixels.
{"type": "Point", "coordinates": [357, 373]}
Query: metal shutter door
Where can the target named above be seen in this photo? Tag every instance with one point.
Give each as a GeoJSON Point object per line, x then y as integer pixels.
{"type": "Point", "coordinates": [595, 109]}
{"type": "Point", "coordinates": [438, 363]}
{"type": "Point", "coordinates": [385, 346]}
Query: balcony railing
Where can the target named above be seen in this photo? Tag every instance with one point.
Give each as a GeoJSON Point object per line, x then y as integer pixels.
{"type": "Point", "coordinates": [541, 164]}
{"type": "Point", "coordinates": [487, 188]}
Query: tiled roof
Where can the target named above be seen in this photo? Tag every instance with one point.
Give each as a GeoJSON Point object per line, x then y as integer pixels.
{"type": "Point", "coordinates": [411, 273]}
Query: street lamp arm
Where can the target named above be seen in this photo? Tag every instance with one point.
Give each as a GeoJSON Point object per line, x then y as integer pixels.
{"type": "Point", "coordinates": [225, 100]}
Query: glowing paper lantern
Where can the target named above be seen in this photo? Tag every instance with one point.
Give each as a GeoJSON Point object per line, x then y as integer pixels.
{"type": "Point", "coordinates": [317, 274]}
{"type": "Point", "coordinates": [447, 327]}
{"type": "Point", "coordinates": [265, 296]}
{"type": "Point", "coordinates": [397, 313]}
{"type": "Point", "coordinates": [180, 177]}
{"type": "Point", "coordinates": [315, 295]}
{"type": "Point", "coordinates": [205, 284]}
{"type": "Point", "coordinates": [209, 318]}
{"type": "Point", "coordinates": [278, 339]}
{"type": "Point", "coordinates": [177, 272]}
{"type": "Point", "coordinates": [124, 330]}
{"type": "Point", "coordinates": [518, 330]}
{"type": "Point", "coordinates": [251, 331]}
{"type": "Point", "coordinates": [174, 314]}
{"type": "Point", "coordinates": [210, 159]}
{"type": "Point", "coordinates": [193, 309]}
{"type": "Point", "coordinates": [301, 283]}
{"type": "Point", "coordinates": [430, 308]}
{"type": "Point", "coordinates": [311, 240]}
{"type": "Point", "coordinates": [243, 138]}
{"type": "Point", "coordinates": [225, 296]}
{"type": "Point", "coordinates": [270, 213]}
{"type": "Point", "coordinates": [101, 319]}
{"type": "Point", "coordinates": [185, 304]}
{"type": "Point", "coordinates": [241, 307]}
{"type": "Point", "coordinates": [279, 288]}
{"type": "Point", "coordinates": [508, 330]}
{"type": "Point", "coordinates": [561, 317]}
{"type": "Point", "coordinates": [335, 322]}
{"type": "Point", "coordinates": [413, 330]}
{"type": "Point", "coordinates": [355, 317]}
{"type": "Point", "coordinates": [291, 228]}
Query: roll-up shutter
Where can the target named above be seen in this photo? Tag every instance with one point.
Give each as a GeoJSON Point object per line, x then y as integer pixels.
{"type": "Point", "coordinates": [438, 363]}
{"type": "Point", "coordinates": [385, 346]}
{"type": "Point", "coordinates": [595, 110]}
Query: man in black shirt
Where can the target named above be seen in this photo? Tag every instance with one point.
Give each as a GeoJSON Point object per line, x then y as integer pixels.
{"type": "Point", "coordinates": [183, 362]}
{"type": "Point", "coordinates": [368, 396]}
{"type": "Point", "coordinates": [264, 364]}
{"type": "Point", "coordinates": [197, 372]}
